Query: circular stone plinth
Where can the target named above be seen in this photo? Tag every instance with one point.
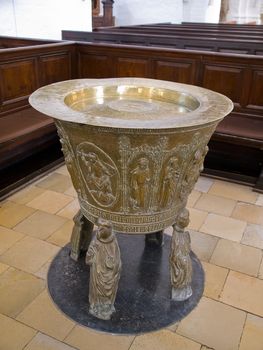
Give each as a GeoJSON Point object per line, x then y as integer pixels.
{"type": "Point", "coordinates": [143, 302]}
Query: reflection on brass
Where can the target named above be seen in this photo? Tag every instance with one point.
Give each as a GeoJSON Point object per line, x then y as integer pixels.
{"type": "Point", "coordinates": [81, 235]}
{"type": "Point", "coordinates": [103, 256]}
{"type": "Point", "coordinates": [180, 261]}
{"type": "Point", "coordinates": [134, 149]}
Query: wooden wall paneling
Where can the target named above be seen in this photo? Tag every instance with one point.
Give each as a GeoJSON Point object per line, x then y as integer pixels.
{"type": "Point", "coordinates": [18, 81]}
{"type": "Point", "coordinates": [255, 90]}
{"type": "Point", "coordinates": [178, 70]}
{"type": "Point", "coordinates": [132, 67]}
{"type": "Point", "coordinates": [226, 79]}
{"type": "Point", "coordinates": [54, 67]}
{"type": "Point", "coordinates": [92, 65]}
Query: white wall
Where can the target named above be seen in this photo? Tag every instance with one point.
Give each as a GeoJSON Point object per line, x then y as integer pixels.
{"type": "Point", "coordinates": [129, 12]}
{"type": "Point", "coordinates": [43, 18]}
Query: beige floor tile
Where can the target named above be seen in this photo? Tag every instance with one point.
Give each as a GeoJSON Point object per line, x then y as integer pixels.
{"type": "Point", "coordinates": [40, 224]}
{"type": "Point", "coordinates": [62, 170]}
{"type": "Point", "coordinates": [14, 335]}
{"type": "Point", "coordinates": [70, 210]}
{"type": "Point", "coordinates": [224, 227]}
{"type": "Point", "coordinates": [56, 182]}
{"type": "Point", "coordinates": [44, 342]}
{"type": "Point", "coordinates": [216, 204]}
{"type": "Point", "coordinates": [42, 314]}
{"type": "Point", "coordinates": [214, 324]}
{"type": "Point", "coordinates": [29, 254]}
{"type": "Point", "coordinates": [173, 327]}
{"type": "Point", "coordinates": [50, 201]}
{"type": "Point", "coordinates": [8, 238]}
{"type": "Point", "coordinates": [253, 236]}
{"type": "Point", "coordinates": [71, 192]}
{"type": "Point", "coordinates": [12, 213]}
{"type": "Point", "coordinates": [192, 199]}
{"type": "Point", "coordinates": [3, 268]}
{"type": "Point", "coordinates": [236, 256]}
{"type": "Point", "coordinates": [197, 217]}
{"type": "Point", "coordinates": [215, 278]}
{"type": "Point", "coordinates": [248, 212]}
{"type": "Point", "coordinates": [62, 236]}
{"type": "Point", "coordinates": [43, 271]}
{"type": "Point", "coordinates": [164, 340]}
{"type": "Point", "coordinates": [26, 195]}
{"type": "Point", "coordinates": [260, 274]}
{"type": "Point", "coordinates": [243, 292]}
{"type": "Point", "coordinates": [86, 339]}
{"type": "Point", "coordinates": [259, 200]}
{"type": "Point", "coordinates": [204, 184]}
{"type": "Point", "coordinates": [233, 191]}
{"type": "Point", "coordinates": [252, 338]}
{"type": "Point", "coordinates": [17, 290]}
{"type": "Point", "coordinates": [203, 245]}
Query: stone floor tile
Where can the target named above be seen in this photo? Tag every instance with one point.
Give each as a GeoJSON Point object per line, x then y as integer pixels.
{"type": "Point", "coordinates": [203, 245]}
{"type": "Point", "coordinates": [14, 335]}
{"type": "Point", "coordinates": [61, 237]}
{"type": "Point", "coordinates": [236, 256]}
{"type": "Point", "coordinates": [248, 212]}
{"type": "Point", "coordinates": [259, 200]}
{"type": "Point", "coordinates": [3, 268]}
{"type": "Point", "coordinates": [233, 191]}
{"type": "Point", "coordinates": [44, 342]}
{"type": "Point", "coordinates": [70, 210]}
{"type": "Point", "coordinates": [55, 182]}
{"type": "Point", "coordinates": [197, 217]}
{"type": "Point", "coordinates": [43, 315]}
{"type": "Point", "coordinates": [43, 271]}
{"type": "Point", "coordinates": [224, 227]}
{"type": "Point", "coordinates": [173, 327]}
{"type": "Point", "coordinates": [260, 274]}
{"type": "Point", "coordinates": [204, 184]}
{"type": "Point", "coordinates": [12, 213]}
{"type": "Point", "coordinates": [50, 201]}
{"type": "Point", "coordinates": [192, 199]}
{"type": "Point", "coordinates": [215, 278]}
{"type": "Point", "coordinates": [29, 254]}
{"type": "Point", "coordinates": [165, 340]}
{"type": "Point", "coordinates": [71, 192]}
{"type": "Point", "coordinates": [87, 339]}
{"type": "Point", "coordinates": [40, 224]}
{"type": "Point", "coordinates": [214, 324]}
{"type": "Point", "coordinates": [62, 170]}
{"type": "Point", "coordinates": [253, 236]}
{"type": "Point", "coordinates": [215, 204]}
{"type": "Point", "coordinates": [8, 238]}
{"type": "Point", "coordinates": [17, 290]}
{"type": "Point", "coordinates": [243, 292]}
{"type": "Point", "coordinates": [26, 195]}
{"type": "Point", "coordinates": [252, 338]}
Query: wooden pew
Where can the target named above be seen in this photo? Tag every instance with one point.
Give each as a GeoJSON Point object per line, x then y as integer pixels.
{"type": "Point", "coordinates": [236, 148]}
{"type": "Point", "coordinates": [28, 140]}
{"type": "Point", "coordinates": [253, 47]}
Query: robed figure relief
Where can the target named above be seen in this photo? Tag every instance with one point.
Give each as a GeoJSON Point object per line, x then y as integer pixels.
{"type": "Point", "coordinates": [180, 260]}
{"type": "Point", "coordinates": [103, 256]}
{"type": "Point", "coordinates": [169, 182]}
{"type": "Point", "coordinates": [140, 184]}
{"type": "Point", "coordinates": [99, 177]}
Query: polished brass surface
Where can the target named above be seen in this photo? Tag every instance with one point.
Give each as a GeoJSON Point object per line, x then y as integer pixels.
{"type": "Point", "coordinates": [134, 147]}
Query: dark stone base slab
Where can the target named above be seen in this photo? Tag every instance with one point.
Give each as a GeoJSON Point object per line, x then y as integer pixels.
{"type": "Point", "coordinates": [143, 302]}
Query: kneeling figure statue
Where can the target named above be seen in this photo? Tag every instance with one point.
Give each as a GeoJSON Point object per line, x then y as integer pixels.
{"type": "Point", "coordinates": [103, 256]}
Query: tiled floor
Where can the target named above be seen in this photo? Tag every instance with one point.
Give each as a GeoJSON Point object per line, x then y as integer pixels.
{"type": "Point", "coordinates": [227, 234]}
